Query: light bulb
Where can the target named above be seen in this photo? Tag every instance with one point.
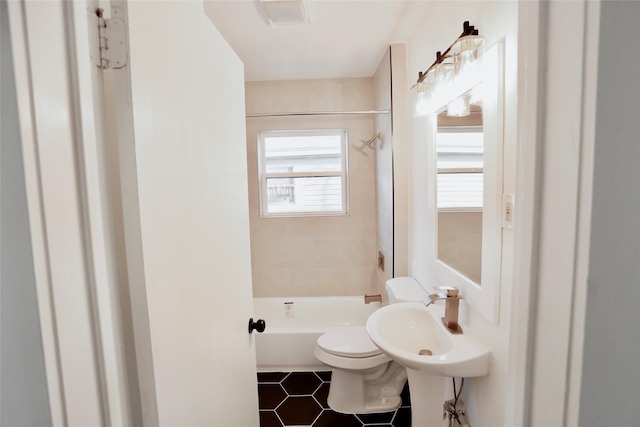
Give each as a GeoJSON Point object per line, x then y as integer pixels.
{"type": "Point", "coordinates": [459, 107]}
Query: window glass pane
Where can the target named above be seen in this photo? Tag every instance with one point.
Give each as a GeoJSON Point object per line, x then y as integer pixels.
{"type": "Point", "coordinates": [459, 190]}
{"type": "Point", "coordinates": [312, 194]}
{"type": "Point", "coordinates": [303, 153]}
{"type": "Point", "coordinates": [467, 142]}
{"type": "Point", "coordinates": [460, 162]}
{"type": "Point", "coordinates": [460, 150]}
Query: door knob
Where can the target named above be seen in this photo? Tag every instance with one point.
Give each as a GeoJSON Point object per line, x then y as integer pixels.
{"type": "Point", "coordinates": [258, 325]}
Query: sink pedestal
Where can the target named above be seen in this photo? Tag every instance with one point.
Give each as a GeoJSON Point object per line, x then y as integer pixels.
{"type": "Point", "coordinates": [427, 398]}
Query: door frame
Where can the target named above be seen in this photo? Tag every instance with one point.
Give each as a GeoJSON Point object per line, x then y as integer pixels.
{"type": "Point", "coordinates": [59, 95]}
{"type": "Point", "coordinates": [555, 164]}
{"type": "Point", "coordinates": [534, 301]}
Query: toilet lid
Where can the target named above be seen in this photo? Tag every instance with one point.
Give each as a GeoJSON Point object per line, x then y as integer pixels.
{"type": "Point", "coordinates": [349, 341]}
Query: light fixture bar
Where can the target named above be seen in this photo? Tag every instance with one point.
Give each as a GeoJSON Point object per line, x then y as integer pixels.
{"type": "Point", "coordinates": [467, 30]}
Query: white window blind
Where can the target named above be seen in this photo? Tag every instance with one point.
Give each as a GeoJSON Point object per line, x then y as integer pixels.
{"type": "Point", "coordinates": [460, 165]}
{"type": "Point", "coordinates": [303, 172]}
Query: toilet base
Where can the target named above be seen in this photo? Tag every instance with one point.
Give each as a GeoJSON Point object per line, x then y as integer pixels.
{"type": "Point", "coordinates": [375, 390]}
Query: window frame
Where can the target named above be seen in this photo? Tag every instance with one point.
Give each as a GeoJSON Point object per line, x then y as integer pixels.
{"type": "Point", "coordinates": [263, 176]}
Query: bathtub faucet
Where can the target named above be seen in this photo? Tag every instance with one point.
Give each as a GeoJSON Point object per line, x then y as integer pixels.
{"type": "Point", "coordinates": [368, 299]}
{"type": "Point", "coordinates": [452, 298]}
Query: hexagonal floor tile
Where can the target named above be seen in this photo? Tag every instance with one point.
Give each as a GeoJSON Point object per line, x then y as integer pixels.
{"type": "Point", "coordinates": [406, 396]}
{"type": "Point", "coordinates": [322, 394]}
{"type": "Point", "coordinates": [299, 410]}
{"type": "Point", "coordinates": [377, 418]}
{"type": "Point", "coordinates": [269, 419]}
{"type": "Point", "coordinates": [334, 419]}
{"type": "Point", "coordinates": [324, 375]}
{"type": "Point", "coordinates": [271, 377]}
{"type": "Point", "coordinates": [270, 396]}
{"type": "Point", "coordinates": [301, 383]}
{"type": "Point", "coordinates": [402, 418]}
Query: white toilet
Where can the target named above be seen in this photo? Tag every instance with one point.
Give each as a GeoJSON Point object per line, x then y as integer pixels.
{"type": "Point", "coordinates": [363, 379]}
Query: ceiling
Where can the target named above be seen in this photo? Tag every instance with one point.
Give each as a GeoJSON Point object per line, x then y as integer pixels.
{"type": "Point", "coordinates": [345, 38]}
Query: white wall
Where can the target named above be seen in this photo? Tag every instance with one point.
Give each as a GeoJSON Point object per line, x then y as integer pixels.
{"type": "Point", "coordinates": [315, 256]}
{"type": "Point", "coordinates": [24, 400]}
{"type": "Point", "coordinates": [497, 21]}
{"type": "Point", "coordinates": [610, 375]}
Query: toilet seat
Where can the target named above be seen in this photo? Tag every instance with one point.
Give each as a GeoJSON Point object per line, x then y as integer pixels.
{"type": "Point", "coordinates": [349, 341]}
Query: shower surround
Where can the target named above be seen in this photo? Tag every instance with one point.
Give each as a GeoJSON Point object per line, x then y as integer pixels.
{"type": "Point", "coordinates": [321, 255]}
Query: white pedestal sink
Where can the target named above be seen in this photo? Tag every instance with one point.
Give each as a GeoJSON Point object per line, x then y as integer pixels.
{"type": "Point", "coordinates": [414, 336]}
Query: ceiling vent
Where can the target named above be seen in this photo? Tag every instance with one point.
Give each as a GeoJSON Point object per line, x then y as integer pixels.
{"type": "Point", "coordinates": [286, 13]}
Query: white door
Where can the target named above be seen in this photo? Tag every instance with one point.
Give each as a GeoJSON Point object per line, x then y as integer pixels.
{"type": "Point", "coordinates": [185, 204]}
{"type": "Point", "coordinates": [62, 137]}
{"type": "Point", "coordinates": [179, 104]}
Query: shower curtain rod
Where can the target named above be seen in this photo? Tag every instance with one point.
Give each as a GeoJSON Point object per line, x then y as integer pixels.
{"type": "Point", "coordinates": [317, 113]}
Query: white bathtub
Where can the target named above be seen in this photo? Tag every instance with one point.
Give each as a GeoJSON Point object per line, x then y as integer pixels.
{"type": "Point", "coordinates": [294, 325]}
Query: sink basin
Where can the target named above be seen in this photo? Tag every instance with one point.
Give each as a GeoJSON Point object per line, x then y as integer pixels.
{"type": "Point", "coordinates": [414, 336]}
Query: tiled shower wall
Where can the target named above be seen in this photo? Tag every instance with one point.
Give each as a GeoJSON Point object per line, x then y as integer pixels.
{"type": "Point", "coordinates": [315, 256]}
{"type": "Point", "coordinates": [300, 399]}
{"type": "Point", "coordinates": [460, 242]}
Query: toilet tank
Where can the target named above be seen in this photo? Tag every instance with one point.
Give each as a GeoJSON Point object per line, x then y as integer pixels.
{"type": "Point", "coordinates": [404, 289]}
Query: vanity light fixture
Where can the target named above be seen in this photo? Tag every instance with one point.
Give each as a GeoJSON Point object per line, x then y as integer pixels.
{"type": "Point", "coordinates": [456, 70]}
{"type": "Point", "coordinates": [460, 107]}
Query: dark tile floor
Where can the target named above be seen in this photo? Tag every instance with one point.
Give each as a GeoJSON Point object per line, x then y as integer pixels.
{"type": "Point", "coordinates": [300, 399]}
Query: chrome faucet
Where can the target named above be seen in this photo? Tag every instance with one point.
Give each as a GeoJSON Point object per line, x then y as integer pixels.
{"type": "Point", "coordinates": [452, 298]}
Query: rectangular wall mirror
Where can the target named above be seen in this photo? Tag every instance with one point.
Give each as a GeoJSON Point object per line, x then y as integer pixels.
{"type": "Point", "coordinates": [459, 186]}
{"type": "Point", "coordinates": [467, 188]}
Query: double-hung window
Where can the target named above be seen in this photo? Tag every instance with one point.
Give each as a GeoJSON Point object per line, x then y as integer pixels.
{"type": "Point", "coordinates": [303, 173]}
{"type": "Point", "coordinates": [460, 168]}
